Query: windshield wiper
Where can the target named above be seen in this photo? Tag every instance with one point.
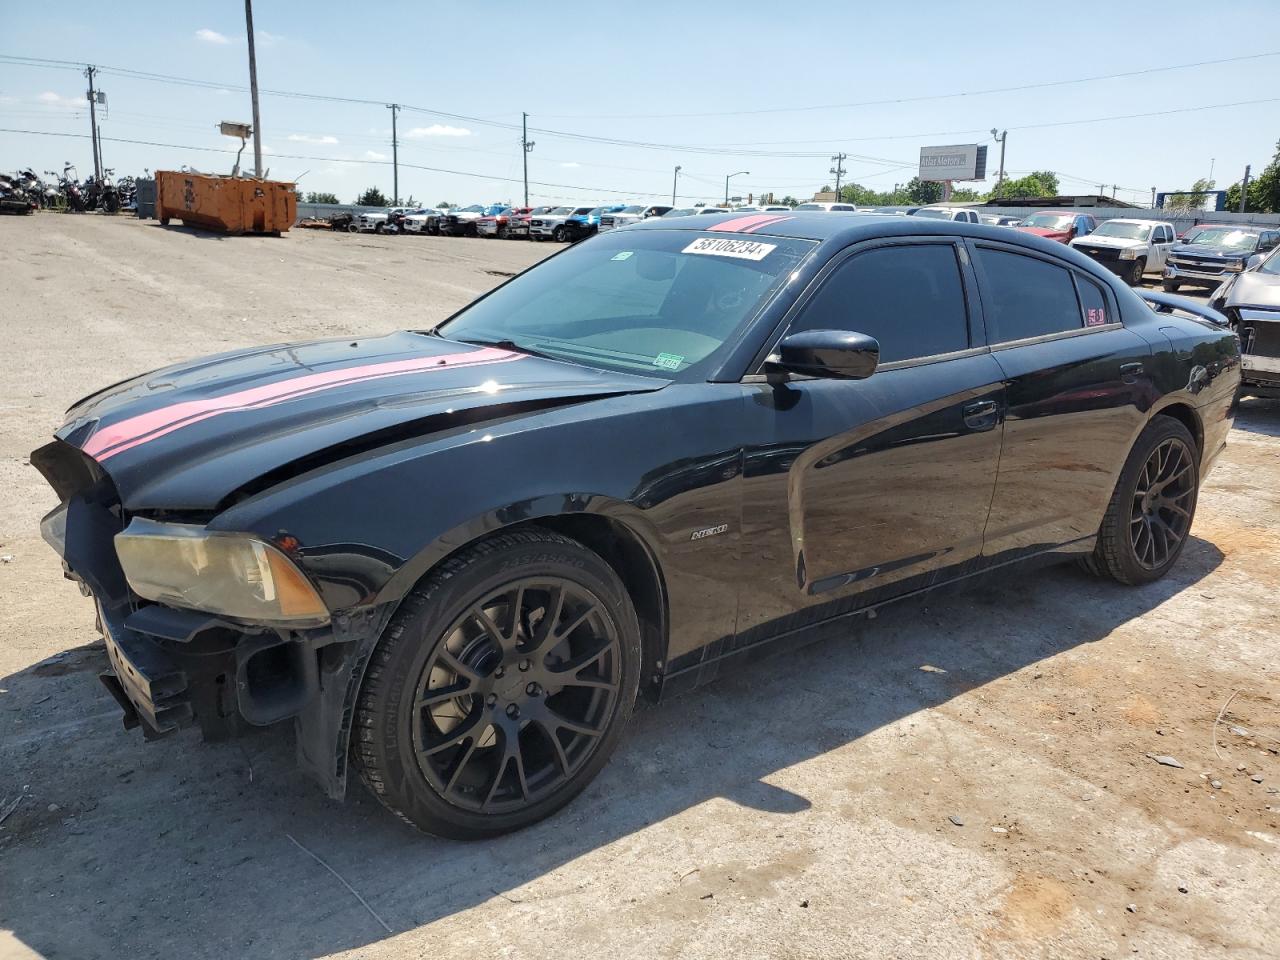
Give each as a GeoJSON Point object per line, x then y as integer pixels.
{"type": "Point", "coordinates": [507, 344]}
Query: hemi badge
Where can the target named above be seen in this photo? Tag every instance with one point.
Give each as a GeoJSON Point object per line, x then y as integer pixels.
{"type": "Point", "coordinates": [708, 532]}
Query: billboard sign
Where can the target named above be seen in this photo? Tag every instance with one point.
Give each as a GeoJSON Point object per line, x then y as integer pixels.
{"type": "Point", "coordinates": [963, 161]}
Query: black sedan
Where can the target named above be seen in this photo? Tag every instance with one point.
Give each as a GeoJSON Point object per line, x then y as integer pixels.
{"type": "Point", "coordinates": [455, 557]}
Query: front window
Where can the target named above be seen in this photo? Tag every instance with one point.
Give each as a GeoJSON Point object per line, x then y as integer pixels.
{"type": "Point", "coordinates": [474, 208]}
{"type": "Point", "coordinates": [1048, 221]}
{"type": "Point", "coordinates": [1123, 231]}
{"type": "Point", "coordinates": [632, 210]}
{"type": "Point", "coordinates": [494, 210]}
{"type": "Point", "coordinates": [582, 211]}
{"type": "Point", "coordinates": [933, 214]}
{"type": "Point", "coordinates": [660, 302]}
{"type": "Point", "coordinates": [811, 206]}
{"type": "Point", "coordinates": [1226, 237]}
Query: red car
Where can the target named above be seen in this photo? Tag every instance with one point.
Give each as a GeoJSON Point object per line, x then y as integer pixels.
{"type": "Point", "coordinates": [1056, 225]}
{"type": "Point", "coordinates": [497, 224]}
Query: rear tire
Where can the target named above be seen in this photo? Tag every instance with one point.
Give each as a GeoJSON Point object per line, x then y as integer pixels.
{"type": "Point", "coordinates": [472, 721]}
{"type": "Point", "coordinates": [1170, 286]}
{"type": "Point", "coordinates": [1149, 517]}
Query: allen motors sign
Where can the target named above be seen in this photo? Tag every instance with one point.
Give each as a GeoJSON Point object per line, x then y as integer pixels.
{"type": "Point", "coordinates": [962, 161]}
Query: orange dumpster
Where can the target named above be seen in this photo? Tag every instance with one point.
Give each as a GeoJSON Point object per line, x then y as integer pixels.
{"type": "Point", "coordinates": [234, 205]}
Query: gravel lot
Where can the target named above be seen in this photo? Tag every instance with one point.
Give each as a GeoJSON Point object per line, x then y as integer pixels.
{"type": "Point", "coordinates": [966, 776]}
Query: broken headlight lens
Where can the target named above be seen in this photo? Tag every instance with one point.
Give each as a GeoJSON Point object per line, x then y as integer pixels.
{"type": "Point", "coordinates": [232, 574]}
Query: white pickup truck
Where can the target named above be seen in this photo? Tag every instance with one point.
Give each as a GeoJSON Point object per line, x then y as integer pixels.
{"type": "Point", "coordinates": [1129, 248]}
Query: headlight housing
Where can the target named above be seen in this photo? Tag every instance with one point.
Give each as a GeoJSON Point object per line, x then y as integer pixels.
{"type": "Point", "coordinates": [235, 575]}
{"type": "Point", "coordinates": [1129, 253]}
{"type": "Point", "coordinates": [1235, 266]}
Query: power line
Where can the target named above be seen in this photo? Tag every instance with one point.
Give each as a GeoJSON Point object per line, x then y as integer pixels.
{"type": "Point", "coordinates": [918, 99]}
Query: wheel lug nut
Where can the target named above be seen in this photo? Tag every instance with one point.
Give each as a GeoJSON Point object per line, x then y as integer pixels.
{"type": "Point", "coordinates": [532, 690]}
{"type": "Point", "coordinates": [498, 672]}
{"type": "Point", "coordinates": [524, 664]}
{"type": "Point", "coordinates": [513, 711]}
{"type": "Point", "coordinates": [491, 699]}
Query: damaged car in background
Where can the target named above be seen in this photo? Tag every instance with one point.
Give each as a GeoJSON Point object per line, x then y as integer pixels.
{"type": "Point", "coordinates": [454, 558]}
{"type": "Point", "coordinates": [1251, 302]}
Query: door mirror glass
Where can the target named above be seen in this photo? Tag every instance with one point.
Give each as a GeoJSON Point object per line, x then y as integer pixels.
{"type": "Point", "coordinates": [838, 354]}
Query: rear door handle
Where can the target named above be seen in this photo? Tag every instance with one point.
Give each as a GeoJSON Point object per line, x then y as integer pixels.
{"type": "Point", "coordinates": [1129, 372]}
{"type": "Point", "coordinates": [980, 415]}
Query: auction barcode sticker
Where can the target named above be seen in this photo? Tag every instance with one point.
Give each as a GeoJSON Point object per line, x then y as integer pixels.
{"type": "Point", "coordinates": [724, 247]}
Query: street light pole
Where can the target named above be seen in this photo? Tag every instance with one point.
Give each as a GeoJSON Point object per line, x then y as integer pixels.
{"type": "Point", "coordinates": [726, 183]}
{"type": "Point", "coordinates": [253, 91]}
{"type": "Point", "coordinates": [675, 179]}
{"type": "Point", "coordinates": [1000, 140]}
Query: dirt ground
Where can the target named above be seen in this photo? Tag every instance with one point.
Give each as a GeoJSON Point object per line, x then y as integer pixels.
{"type": "Point", "coordinates": [965, 776]}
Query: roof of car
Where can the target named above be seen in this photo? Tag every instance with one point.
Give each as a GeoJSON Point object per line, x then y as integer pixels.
{"type": "Point", "coordinates": [1144, 222]}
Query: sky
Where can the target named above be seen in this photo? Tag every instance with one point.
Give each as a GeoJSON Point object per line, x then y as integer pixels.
{"type": "Point", "coordinates": [618, 94]}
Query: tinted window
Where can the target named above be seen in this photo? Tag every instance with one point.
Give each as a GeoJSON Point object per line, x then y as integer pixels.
{"type": "Point", "coordinates": [1093, 302]}
{"type": "Point", "coordinates": [1025, 297]}
{"type": "Point", "coordinates": [909, 298]}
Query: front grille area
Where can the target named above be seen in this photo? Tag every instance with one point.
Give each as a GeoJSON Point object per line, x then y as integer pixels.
{"type": "Point", "coordinates": [1101, 254]}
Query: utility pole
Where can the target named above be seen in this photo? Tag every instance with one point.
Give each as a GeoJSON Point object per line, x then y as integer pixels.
{"type": "Point", "coordinates": [1113, 191]}
{"type": "Point", "coordinates": [1153, 198]}
{"type": "Point", "coordinates": [675, 180]}
{"type": "Point", "coordinates": [1000, 140]}
{"type": "Point", "coordinates": [1244, 186]}
{"type": "Point", "coordinates": [253, 91]}
{"type": "Point", "coordinates": [838, 169]}
{"type": "Point", "coordinates": [89, 71]}
{"type": "Point", "coordinates": [526, 145]}
{"type": "Point", "coordinates": [395, 156]}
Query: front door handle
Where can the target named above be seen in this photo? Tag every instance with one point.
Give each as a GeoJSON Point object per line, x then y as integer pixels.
{"type": "Point", "coordinates": [981, 414]}
{"type": "Point", "coordinates": [1130, 372]}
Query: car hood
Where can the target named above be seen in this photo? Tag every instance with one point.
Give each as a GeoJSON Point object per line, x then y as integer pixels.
{"type": "Point", "coordinates": [1114, 243]}
{"type": "Point", "coordinates": [1255, 289]}
{"type": "Point", "coordinates": [1196, 250]}
{"type": "Point", "coordinates": [1045, 232]}
{"type": "Point", "coordinates": [188, 437]}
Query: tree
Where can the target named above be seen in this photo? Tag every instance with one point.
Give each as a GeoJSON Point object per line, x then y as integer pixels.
{"type": "Point", "coordinates": [923, 191]}
{"type": "Point", "coordinates": [964, 194]}
{"type": "Point", "coordinates": [788, 201]}
{"type": "Point", "coordinates": [1038, 183]}
{"type": "Point", "coordinates": [445, 205]}
{"type": "Point", "coordinates": [314, 197]}
{"type": "Point", "coordinates": [373, 197]}
{"type": "Point", "coordinates": [1264, 190]}
{"type": "Point", "coordinates": [1193, 198]}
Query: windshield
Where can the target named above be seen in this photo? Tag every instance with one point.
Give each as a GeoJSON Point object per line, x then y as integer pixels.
{"type": "Point", "coordinates": [474, 208]}
{"type": "Point", "coordinates": [1271, 265]}
{"type": "Point", "coordinates": [811, 206]}
{"type": "Point", "coordinates": [714, 210]}
{"type": "Point", "coordinates": [652, 301]}
{"type": "Point", "coordinates": [1048, 221]}
{"type": "Point", "coordinates": [1124, 231]}
{"type": "Point", "coordinates": [632, 210]}
{"type": "Point", "coordinates": [1228, 237]}
{"type": "Point", "coordinates": [681, 212]}
{"type": "Point", "coordinates": [495, 209]}
{"type": "Point", "coordinates": [933, 214]}
{"type": "Point", "coordinates": [582, 211]}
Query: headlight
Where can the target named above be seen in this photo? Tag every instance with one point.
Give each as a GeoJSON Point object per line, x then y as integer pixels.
{"type": "Point", "coordinates": [232, 574]}
{"type": "Point", "coordinates": [1235, 266]}
{"type": "Point", "coordinates": [1129, 253]}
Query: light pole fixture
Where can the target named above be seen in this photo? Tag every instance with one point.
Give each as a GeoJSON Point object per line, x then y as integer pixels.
{"type": "Point", "coordinates": [675, 179]}
{"type": "Point", "coordinates": [1004, 135]}
{"type": "Point", "coordinates": [726, 183]}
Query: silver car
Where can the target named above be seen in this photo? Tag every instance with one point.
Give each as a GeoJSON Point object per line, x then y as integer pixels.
{"type": "Point", "coordinates": [1251, 301]}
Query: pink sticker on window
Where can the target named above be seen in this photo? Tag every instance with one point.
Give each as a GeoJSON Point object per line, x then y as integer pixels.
{"type": "Point", "coordinates": [1095, 317]}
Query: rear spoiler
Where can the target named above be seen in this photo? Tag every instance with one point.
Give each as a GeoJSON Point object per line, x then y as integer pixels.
{"type": "Point", "coordinates": [1171, 303]}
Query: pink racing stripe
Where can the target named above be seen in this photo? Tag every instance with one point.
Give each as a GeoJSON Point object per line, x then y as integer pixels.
{"type": "Point", "coordinates": [134, 431]}
{"type": "Point", "coordinates": [766, 223]}
{"type": "Point", "coordinates": [738, 224]}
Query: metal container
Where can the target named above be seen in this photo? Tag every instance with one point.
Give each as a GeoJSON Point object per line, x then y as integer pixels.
{"type": "Point", "coordinates": [145, 198]}
{"type": "Point", "coordinates": [234, 205]}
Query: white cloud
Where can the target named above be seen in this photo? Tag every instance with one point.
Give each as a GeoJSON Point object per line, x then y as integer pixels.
{"type": "Point", "coordinates": [374, 155]}
{"type": "Point", "coordinates": [437, 130]}
{"type": "Point", "coordinates": [267, 39]}
{"type": "Point", "coordinates": [212, 36]}
{"type": "Point", "coordinates": [307, 138]}
{"type": "Point", "coordinates": [570, 163]}
{"type": "Point", "coordinates": [59, 102]}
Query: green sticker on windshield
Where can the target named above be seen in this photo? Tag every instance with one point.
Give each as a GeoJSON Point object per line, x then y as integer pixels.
{"type": "Point", "coordinates": [625, 254]}
{"type": "Point", "coordinates": [668, 361]}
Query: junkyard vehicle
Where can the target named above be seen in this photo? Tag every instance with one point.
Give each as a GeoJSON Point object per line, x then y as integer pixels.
{"type": "Point", "coordinates": [827, 207]}
{"type": "Point", "coordinates": [631, 214]}
{"type": "Point", "coordinates": [695, 211]}
{"type": "Point", "coordinates": [455, 557]}
{"type": "Point", "coordinates": [518, 224]}
{"type": "Point", "coordinates": [550, 226]}
{"type": "Point", "coordinates": [958, 214]}
{"type": "Point", "coordinates": [579, 226]}
{"type": "Point", "coordinates": [1250, 301]}
{"type": "Point", "coordinates": [1129, 248]}
{"type": "Point", "coordinates": [1212, 252]}
{"type": "Point", "coordinates": [496, 224]}
{"type": "Point", "coordinates": [1057, 225]}
{"type": "Point", "coordinates": [464, 221]}
{"type": "Point", "coordinates": [372, 222]}
{"type": "Point", "coordinates": [423, 221]}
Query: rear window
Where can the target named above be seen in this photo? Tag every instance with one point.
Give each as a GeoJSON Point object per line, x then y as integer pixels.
{"type": "Point", "coordinates": [651, 301]}
{"type": "Point", "coordinates": [1026, 297]}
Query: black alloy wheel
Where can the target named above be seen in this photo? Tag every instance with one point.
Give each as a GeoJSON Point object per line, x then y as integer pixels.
{"type": "Point", "coordinates": [1148, 520]}
{"type": "Point", "coordinates": [558, 234]}
{"type": "Point", "coordinates": [500, 687]}
{"type": "Point", "coordinates": [1162, 504]}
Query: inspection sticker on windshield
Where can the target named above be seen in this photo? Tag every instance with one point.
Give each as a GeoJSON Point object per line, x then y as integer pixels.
{"type": "Point", "coordinates": [739, 249]}
{"type": "Point", "coordinates": [624, 255]}
{"type": "Point", "coordinates": [668, 361]}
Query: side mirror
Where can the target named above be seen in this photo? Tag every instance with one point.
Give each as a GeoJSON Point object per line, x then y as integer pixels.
{"type": "Point", "coordinates": [836, 354]}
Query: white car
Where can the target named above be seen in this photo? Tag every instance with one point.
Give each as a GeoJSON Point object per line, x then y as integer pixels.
{"type": "Point", "coordinates": [1129, 248]}
{"type": "Point", "coordinates": [957, 214]}
{"type": "Point", "coordinates": [421, 222]}
{"type": "Point", "coordinates": [368, 223]}
{"type": "Point", "coordinates": [632, 214]}
{"type": "Point", "coordinates": [550, 226]}
{"type": "Point", "coordinates": [828, 207]}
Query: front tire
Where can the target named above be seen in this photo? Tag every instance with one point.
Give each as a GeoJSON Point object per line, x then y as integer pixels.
{"type": "Point", "coordinates": [1170, 286]}
{"type": "Point", "coordinates": [1149, 517]}
{"type": "Point", "coordinates": [500, 687]}
{"type": "Point", "coordinates": [558, 235]}
{"type": "Point", "coordinates": [1136, 270]}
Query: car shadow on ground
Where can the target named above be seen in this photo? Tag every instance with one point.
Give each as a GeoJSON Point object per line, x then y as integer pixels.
{"type": "Point", "coordinates": [177, 847]}
{"type": "Point", "coordinates": [1259, 415]}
